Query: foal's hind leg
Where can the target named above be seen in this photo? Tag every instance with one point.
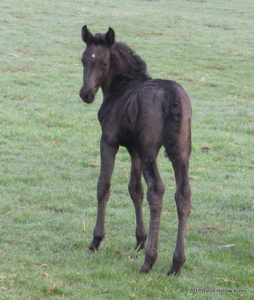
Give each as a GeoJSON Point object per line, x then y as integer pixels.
{"type": "Point", "coordinates": [154, 196]}
{"type": "Point", "coordinates": [107, 165]}
{"type": "Point", "coordinates": [136, 193]}
{"type": "Point", "coordinates": [183, 201]}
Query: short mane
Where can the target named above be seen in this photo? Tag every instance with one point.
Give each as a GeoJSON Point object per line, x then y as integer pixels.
{"type": "Point", "coordinates": [136, 65]}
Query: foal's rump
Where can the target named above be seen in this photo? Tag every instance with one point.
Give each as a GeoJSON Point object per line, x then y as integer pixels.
{"type": "Point", "coordinates": [164, 115]}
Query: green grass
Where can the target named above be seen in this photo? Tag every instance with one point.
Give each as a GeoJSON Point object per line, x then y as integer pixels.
{"type": "Point", "coordinates": [49, 151]}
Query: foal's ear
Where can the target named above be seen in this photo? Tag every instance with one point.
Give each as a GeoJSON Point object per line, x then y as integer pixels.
{"type": "Point", "coordinates": [86, 34]}
{"type": "Point", "coordinates": [110, 36]}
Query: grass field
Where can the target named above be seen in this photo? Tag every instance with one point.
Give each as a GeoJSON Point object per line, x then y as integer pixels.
{"type": "Point", "coordinates": [49, 152]}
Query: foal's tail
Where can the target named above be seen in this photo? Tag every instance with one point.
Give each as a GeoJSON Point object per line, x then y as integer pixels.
{"type": "Point", "coordinates": [173, 119]}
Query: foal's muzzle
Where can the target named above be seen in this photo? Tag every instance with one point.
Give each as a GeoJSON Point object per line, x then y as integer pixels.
{"type": "Point", "coordinates": [87, 96]}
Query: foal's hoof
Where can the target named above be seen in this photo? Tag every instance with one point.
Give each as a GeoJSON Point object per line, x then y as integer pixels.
{"type": "Point", "coordinates": [176, 268]}
{"type": "Point", "coordinates": [174, 272]}
{"type": "Point", "coordinates": [141, 242]}
{"type": "Point", "coordinates": [91, 249]}
{"type": "Point", "coordinates": [140, 246]}
{"type": "Point", "coordinates": [94, 246]}
{"type": "Point", "coordinates": [178, 261]}
{"type": "Point", "coordinates": [145, 269]}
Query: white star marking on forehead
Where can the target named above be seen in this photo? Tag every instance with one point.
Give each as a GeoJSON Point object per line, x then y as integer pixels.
{"type": "Point", "coordinates": [93, 55]}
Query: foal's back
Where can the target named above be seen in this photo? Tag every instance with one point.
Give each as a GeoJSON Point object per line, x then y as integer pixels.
{"type": "Point", "coordinates": [145, 109]}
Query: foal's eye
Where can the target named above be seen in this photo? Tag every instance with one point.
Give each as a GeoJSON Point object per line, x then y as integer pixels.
{"type": "Point", "coordinates": [103, 64]}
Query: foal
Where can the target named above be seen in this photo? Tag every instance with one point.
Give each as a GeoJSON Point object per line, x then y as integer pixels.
{"type": "Point", "coordinates": [140, 114]}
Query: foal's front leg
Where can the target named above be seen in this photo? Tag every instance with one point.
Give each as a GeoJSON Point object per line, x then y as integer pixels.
{"type": "Point", "coordinates": [107, 165]}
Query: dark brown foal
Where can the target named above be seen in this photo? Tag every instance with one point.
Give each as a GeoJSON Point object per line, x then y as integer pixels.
{"type": "Point", "coordinates": [142, 115]}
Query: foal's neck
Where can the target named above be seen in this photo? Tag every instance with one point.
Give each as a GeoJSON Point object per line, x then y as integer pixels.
{"type": "Point", "coordinates": [125, 66]}
{"type": "Point", "coordinates": [117, 69]}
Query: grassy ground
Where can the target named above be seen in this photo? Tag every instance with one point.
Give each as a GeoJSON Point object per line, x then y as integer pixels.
{"type": "Point", "coordinates": [50, 156]}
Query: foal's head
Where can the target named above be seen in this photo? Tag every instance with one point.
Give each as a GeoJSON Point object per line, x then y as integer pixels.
{"type": "Point", "coordinates": [96, 61]}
